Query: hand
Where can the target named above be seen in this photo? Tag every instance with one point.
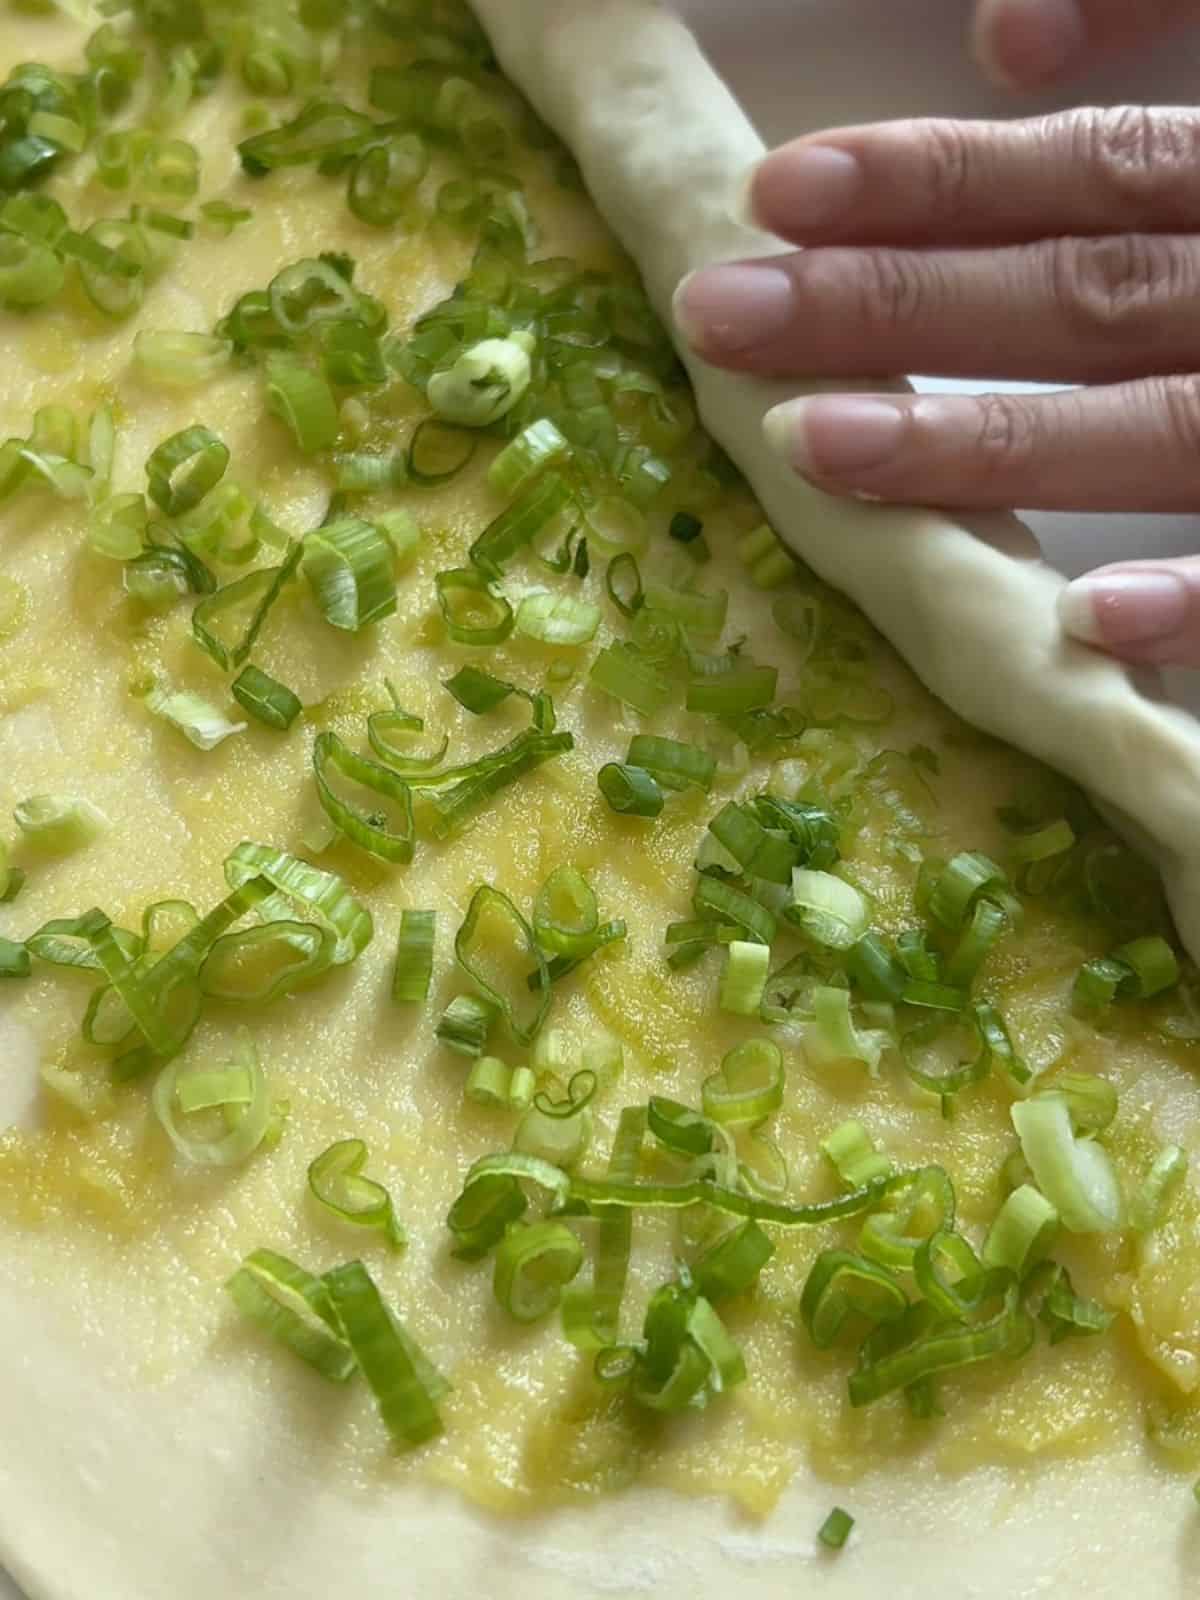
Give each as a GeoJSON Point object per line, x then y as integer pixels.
{"type": "Point", "coordinates": [1064, 249]}
{"type": "Point", "coordinates": [1029, 43]}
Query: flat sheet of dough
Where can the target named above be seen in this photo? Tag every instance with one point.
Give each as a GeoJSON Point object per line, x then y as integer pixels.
{"type": "Point", "coordinates": [110, 1492]}
{"type": "Point", "coordinates": [113, 1489]}
{"type": "Point", "coordinates": [664, 146]}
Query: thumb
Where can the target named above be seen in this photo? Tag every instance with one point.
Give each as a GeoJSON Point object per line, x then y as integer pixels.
{"type": "Point", "coordinates": [1026, 44]}
{"type": "Point", "coordinates": [1145, 612]}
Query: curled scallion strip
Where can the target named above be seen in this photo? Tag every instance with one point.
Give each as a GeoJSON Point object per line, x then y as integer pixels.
{"type": "Point", "coordinates": [336, 1182]}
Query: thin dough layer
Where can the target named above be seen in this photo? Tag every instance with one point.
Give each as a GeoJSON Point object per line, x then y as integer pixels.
{"type": "Point", "coordinates": [970, 605]}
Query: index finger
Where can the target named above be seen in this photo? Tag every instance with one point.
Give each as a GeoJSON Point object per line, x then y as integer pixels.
{"type": "Point", "coordinates": [932, 181]}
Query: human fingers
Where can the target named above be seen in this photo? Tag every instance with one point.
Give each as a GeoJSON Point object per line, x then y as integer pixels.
{"type": "Point", "coordinates": [1060, 310]}
{"type": "Point", "coordinates": [1131, 447]}
{"type": "Point", "coordinates": [1146, 612]}
{"type": "Point", "coordinates": [934, 181]}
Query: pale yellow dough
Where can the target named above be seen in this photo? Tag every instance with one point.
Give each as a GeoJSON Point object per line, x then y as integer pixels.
{"type": "Point", "coordinates": [149, 1445]}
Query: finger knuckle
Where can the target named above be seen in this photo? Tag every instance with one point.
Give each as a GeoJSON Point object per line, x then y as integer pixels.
{"type": "Point", "coordinates": [1178, 400]}
{"type": "Point", "coordinates": [1136, 154]}
{"type": "Point", "coordinates": [946, 167]}
{"type": "Point", "coordinates": [894, 290]}
{"type": "Point", "coordinates": [1116, 287]}
{"type": "Point", "coordinates": [1006, 433]}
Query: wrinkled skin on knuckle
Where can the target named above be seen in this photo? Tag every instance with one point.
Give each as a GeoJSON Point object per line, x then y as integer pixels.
{"type": "Point", "coordinates": [1117, 288]}
{"type": "Point", "coordinates": [1176, 403]}
{"type": "Point", "coordinates": [893, 290]}
{"type": "Point", "coordinates": [945, 167]}
{"type": "Point", "coordinates": [1006, 435]}
{"type": "Point", "coordinates": [1144, 160]}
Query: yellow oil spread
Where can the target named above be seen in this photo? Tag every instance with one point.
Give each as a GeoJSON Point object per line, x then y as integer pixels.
{"type": "Point", "coordinates": [91, 1194]}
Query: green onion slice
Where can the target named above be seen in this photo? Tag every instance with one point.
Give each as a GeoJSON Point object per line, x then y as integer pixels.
{"type": "Point", "coordinates": [748, 1086]}
{"type": "Point", "coordinates": [184, 468]}
{"type": "Point", "coordinates": [1063, 1313]}
{"type": "Point", "coordinates": [324, 130]}
{"type": "Point", "coordinates": [828, 909]}
{"type": "Point", "coordinates": [59, 824]}
{"type": "Point", "coordinates": [201, 723]}
{"type": "Point", "coordinates": [493, 939]}
{"type": "Point", "coordinates": [533, 511]}
{"type": "Point", "coordinates": [744, 979]}
{"type": "Point", "coordinates": [833, 1036]}
{"type": "Point", "coordinates": [630, 791]}
{"type": "Point", "coordinates": [946, 1054]}
{"type": "Point", "coordinates": [988, 924]}
{"type": "Point", "coordinates": [257, 965]}
{"type": "Point", "coordinates": [265, 699]}
{"type": "Point", "coordinates": [948, 1273]}
{"type": "Point", "coordinates": [955, 891]}
{"type": "Point", "coordinates": [350, 567]}
{"type": "Point", "coordinates": [716, 899]}
{"type": "Point", "coordinates": [389, 839]}
{"type": "Point", "coordinates": [836, 1529]}
{"type": "Point", "coordinates": [294, 1307]}
{"type": "Point", "coordinates": [479, 692]}
{"type": "Point", "coordinates": [336, 1181]}
{"type": "Point", "coordinates": [758, 852]}
{"type": "Point", "coordinates": [623, 583]}
{"type": "Point", "coordinates": [1091, 1100]}
{"type": "Point", "coordinates": [465, 1024]}
{"type": "Point", "coordinates": [566, 914]}
{"type": "Point", "coordinates": [854, 1156]}
{"type": "Point", "coordinates": [741, 687]}
{"type": "Point", "coordinates": [65, 942]}
{"type": "Point", "coordinates": [382, 724]}
{"type": "Point", "coordinates": [1007, 1333]}
{"type": "Point", "coordinates": [842, 1287]}
{"type": "Point", "coordinates": [1076, 1175]}
{"type": "Point", "coordinates": [1021, 1232]}
{"type": "Point", "coordinates": [918, 1204]}
{"type": "Point", "coordinates": [438, 451]}
{"type": "Point", "coordinates": [240, 1117]}
{"type": "Point", "coordinates": [493, 1196]}
{"type": "Point", "coordinates": [534, 1264]}
{"type": "Point", "coordinates": [317, 895]}
{"type": "Point", "coordinates": [733, 1202]}
{"type": "Point", "coordinates": [557, 619]}
{"type": "Point", "coordinates": [687, 1352]}
{"type": "Point", "coordinates": [1149, 1206]}
{"type": "Point", "coordinates": [731, 1266]}
{"type": "Point", "coordinates": [620, 672]}
{"type": "Point", "coordinates": [536, 447]}
{"type": "Point", "coordinates": [405, 1385]}
{"type": "Point", "coordinates": [473, 612]}
{"type": "Point", "coordinates": [14, 959]}
{"type": "Point", "coordinates": [413, 971]}
{"type": "Point", "coordinates": [672, 764]}
{"type": "Point", "coordinates": [255, 594]}
{"type": "Point", "coordinates": [592, 1317]}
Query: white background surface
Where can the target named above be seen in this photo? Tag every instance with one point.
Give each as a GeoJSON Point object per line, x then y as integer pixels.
{"type": "Point", "coordinates": [800, 65]}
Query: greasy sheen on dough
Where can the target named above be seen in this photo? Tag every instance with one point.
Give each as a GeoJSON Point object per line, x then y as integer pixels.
{"type": "Point", "coordinates": [971, 606]}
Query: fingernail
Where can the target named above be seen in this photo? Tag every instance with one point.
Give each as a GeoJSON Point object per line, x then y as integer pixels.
{"type": "Point", "coordinates": [1123, 607]}
{"type": "Point", "coordinates": [728, 309]}
{"type": "Point", "coordinates": [1024, 43]}
{"type": "Point", "coordinates": [836, 436]}
{"type": "Point", "coordinates": [809, 186]}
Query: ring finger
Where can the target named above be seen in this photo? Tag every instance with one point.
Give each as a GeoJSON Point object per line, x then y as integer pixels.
{"type": "Point", "coordinates": [1126, 447]}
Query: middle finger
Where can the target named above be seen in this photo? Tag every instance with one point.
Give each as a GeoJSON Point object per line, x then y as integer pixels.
{"type": "Point", "coordinates": [1065, 310]}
